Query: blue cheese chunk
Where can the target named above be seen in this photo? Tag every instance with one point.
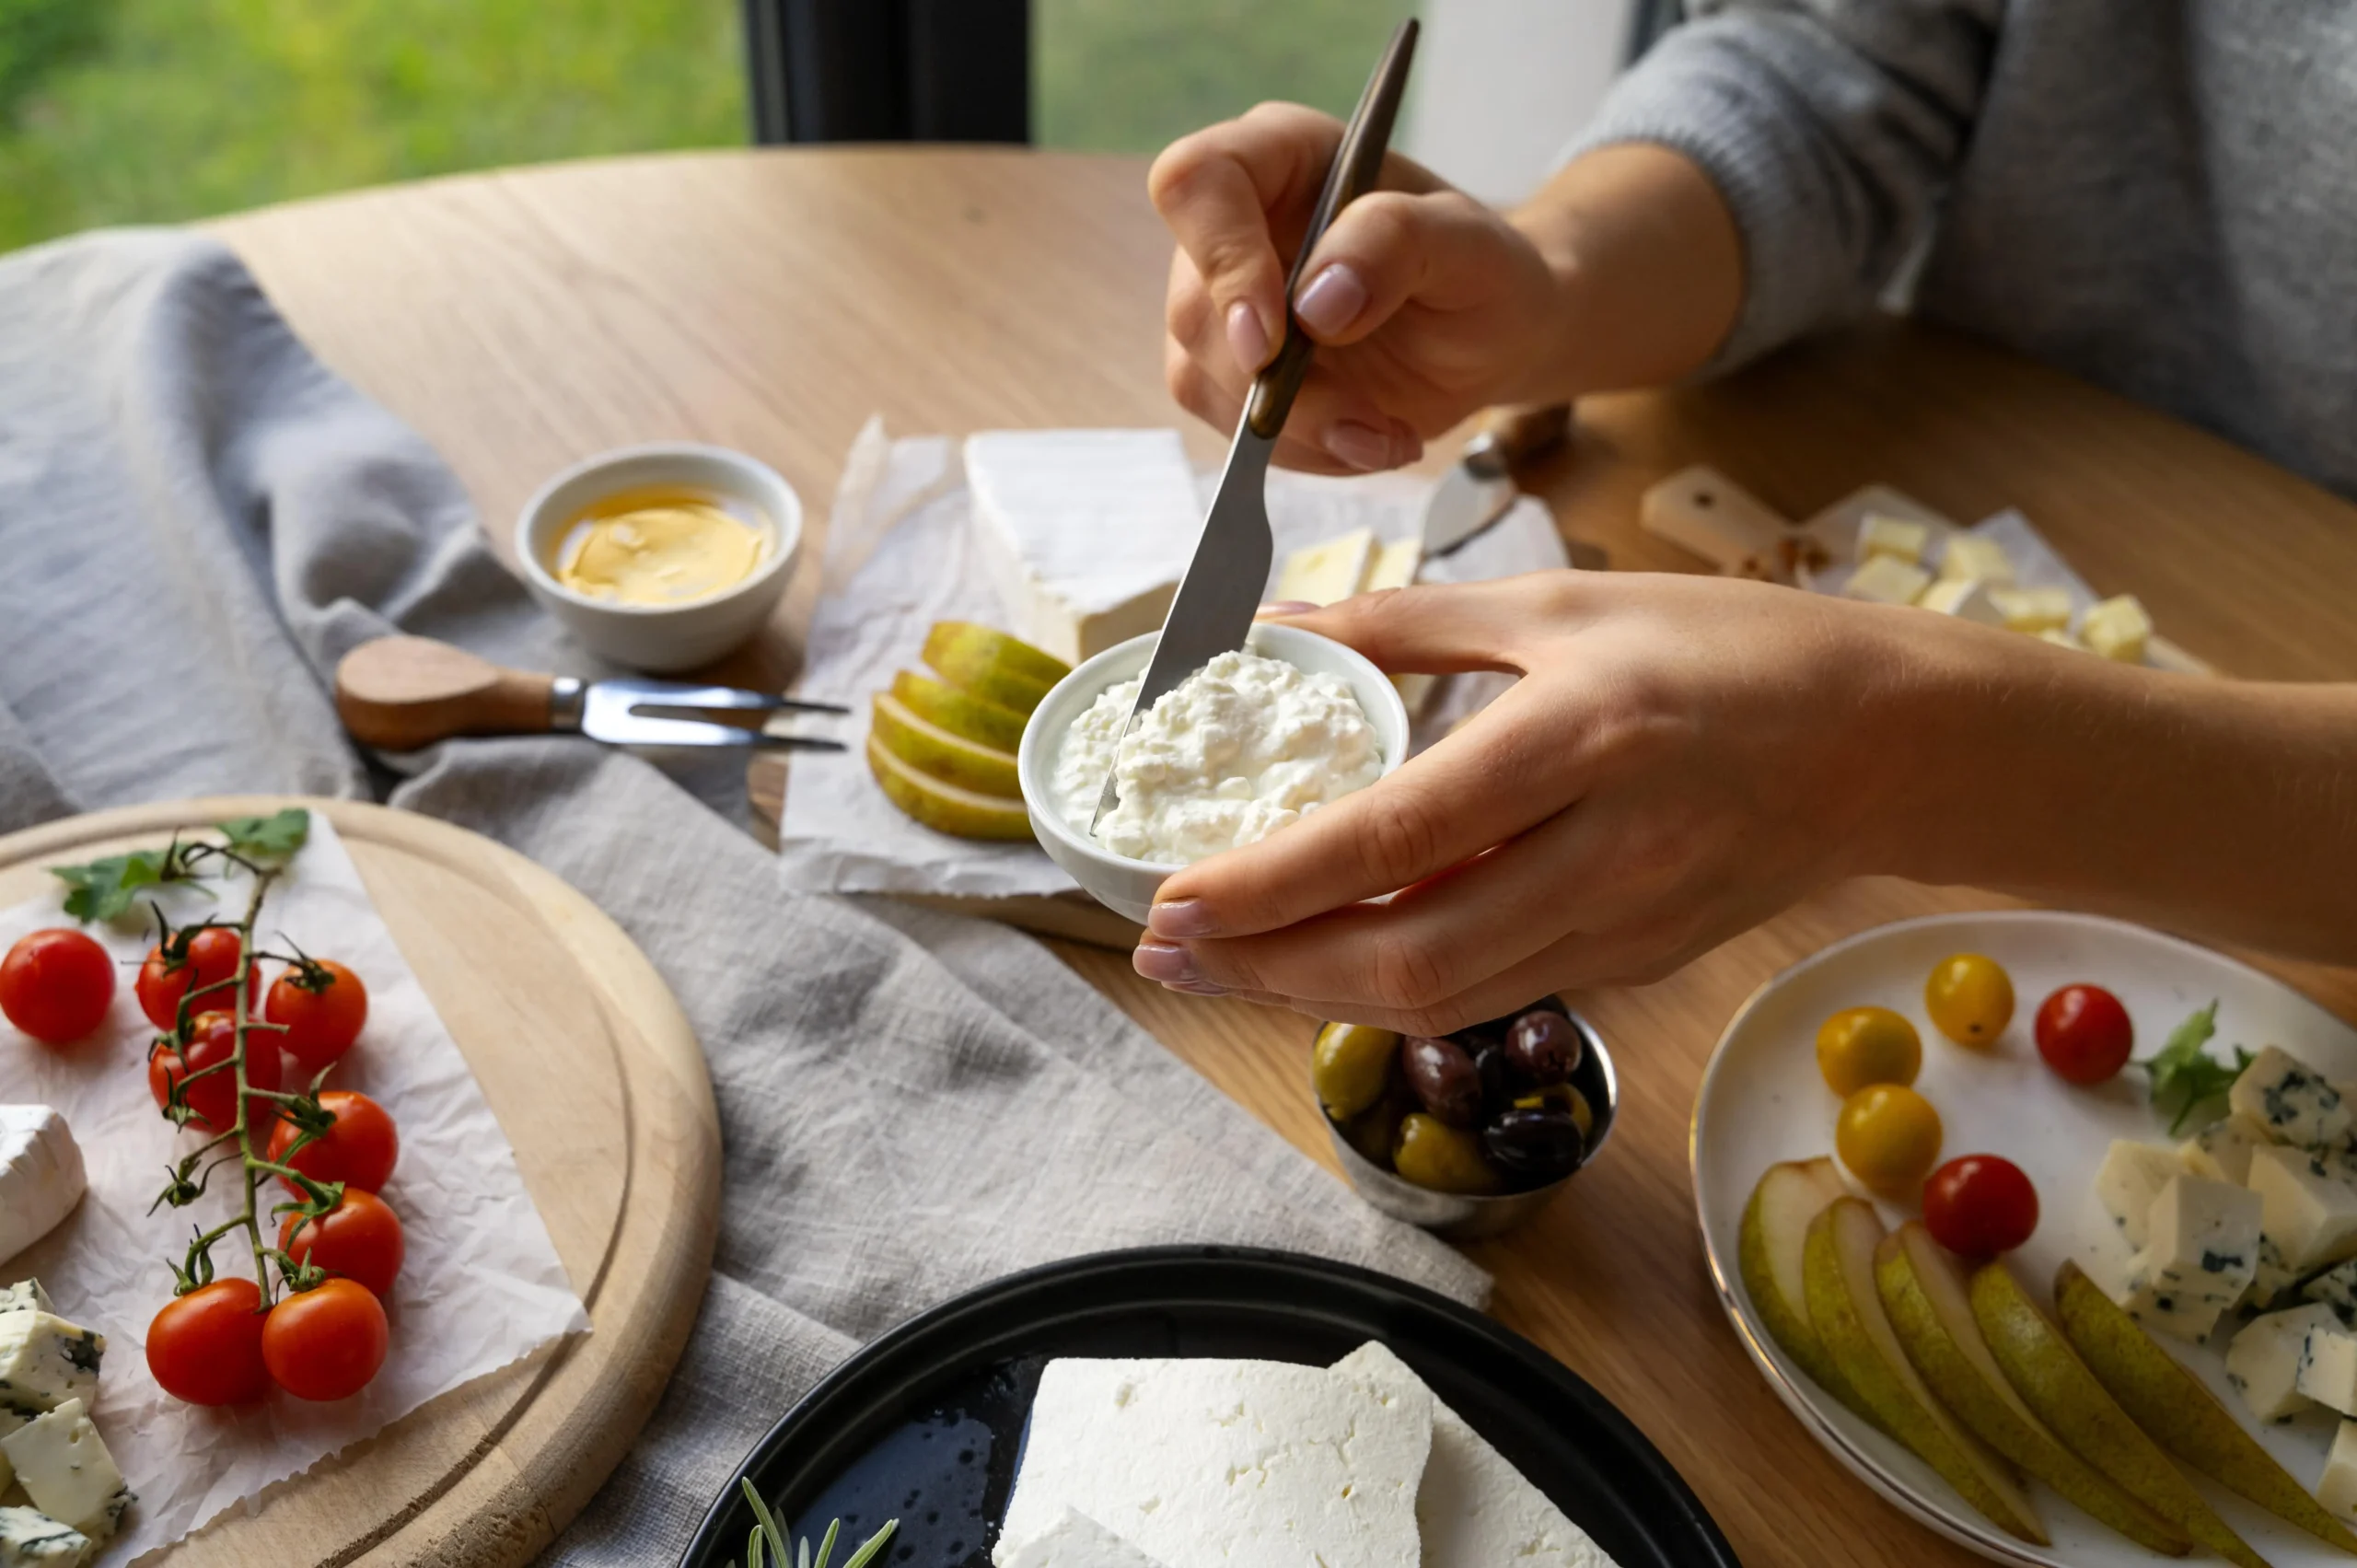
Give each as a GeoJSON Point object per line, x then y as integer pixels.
{"type": "Point", "coordinates": [2131, 1175]}
{"type": "Point", "coordinates": [45, 1361]}
{"type": "Point", "coordinates": [2291, 1100]}
{"type": "Point", "coordinates": [26, 1296]}
{"type": "Point", "coordinates": [2337, 1489]}
{"type": "Point", "coordinates": [66, 1471]}
{"type": "Point", "coordinates": [2310, 1205]}
{"type": "Point", "coordinates": [2222, 1150]}
{"type": "Point", "coordinates": [2270, 1280]}
{"type": "Point", "coordinates": [2200, 1258]}
{"type": "Point", "coordinates": [29, 1539]}
{"type": "Point", "coordinates": [2328, 1369]}
{"type": "Point", "coordinates": [2335, 1288]}
{"type": "Point", "coordinates": [2265, 1361]}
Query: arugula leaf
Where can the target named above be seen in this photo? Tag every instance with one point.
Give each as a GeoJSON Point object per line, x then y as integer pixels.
{"type": "Point", "coordinates": [104, 888]}
{"type": "Point", "coordinates": [269, 838]}
{"type": "Point", "coordinates": [2185, 1079]}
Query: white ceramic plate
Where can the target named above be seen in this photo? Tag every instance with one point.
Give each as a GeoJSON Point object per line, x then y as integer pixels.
{"type": "Point", "coordinates": [1761, 1100]}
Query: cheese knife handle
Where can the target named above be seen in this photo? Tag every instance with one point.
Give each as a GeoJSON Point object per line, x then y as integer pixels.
{"type": "Point", "coordinates": [1522, 435]}
{"type": "Point", "coordinates": [1357, 167]}
{"type": "Point", "coordinates": [399, 693]}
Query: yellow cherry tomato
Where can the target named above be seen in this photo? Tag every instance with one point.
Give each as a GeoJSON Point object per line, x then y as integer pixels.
{"type": "Point", "coordinates": [1859, 1046]}
{"type": "Point", "coordinates": [1889, 1137]}
{"type": "Point", "coordinates": [1971, 998]}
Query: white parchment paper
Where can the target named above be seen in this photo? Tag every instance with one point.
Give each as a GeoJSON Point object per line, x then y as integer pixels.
{"type": "Point", "coordinates": [481, 1284]}
{"type": "Point", "coordinates": [901, 556]}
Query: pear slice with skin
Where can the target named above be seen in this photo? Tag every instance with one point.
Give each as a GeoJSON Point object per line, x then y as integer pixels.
{"type": "Point", "coordinates": [1924, 1292]}
{"type": "Point", "coordinates": [991, 665]}
{"type": "Point", "coordinates": [2054, 1382]}
{"type": "Point", "coordinates": [2167, 1400]}
{"type": "Point", "coordinates": [1768, 1251]}
{"type": "Point", "coordinates": [929, 749]}
{"type": "Point", "coordinates": [945, 807]}
{"type": "Point", "coordinates": [959, 713]}
{"type": "Point", "coordinates": [1839, 1264]}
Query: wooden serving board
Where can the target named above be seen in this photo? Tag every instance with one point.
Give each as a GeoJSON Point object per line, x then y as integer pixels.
{"type": "Point", "coordinates": [599, 1084]}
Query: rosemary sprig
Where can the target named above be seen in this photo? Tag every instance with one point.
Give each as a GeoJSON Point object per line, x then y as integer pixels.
{"type": "Point", "coordinates": [767, 1538]}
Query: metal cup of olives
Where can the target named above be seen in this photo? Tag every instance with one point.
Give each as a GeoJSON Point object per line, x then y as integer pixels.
{"type": "Point", "coordinates": [1469, 1134]}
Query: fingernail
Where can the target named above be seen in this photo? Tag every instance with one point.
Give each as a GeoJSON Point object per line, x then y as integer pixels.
{"type": "Point", "coordinates": [1166, 962]}
{"type": "Point", "coordinates": [1286, 607]}
{"type": "Point", "coordinates": [1199, 988]}
{"type": "Point", "coordinates": [1181, 920]}
{"type": "Point", "coordinates": [1363, 447]}
{"type": "Point", "coordinates": [1246, 337]}
{"type": "Point", "coordinates": [1332, 301]}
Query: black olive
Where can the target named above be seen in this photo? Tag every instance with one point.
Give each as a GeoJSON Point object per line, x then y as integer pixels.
{"type": "Point", "coordinates": [1538, 1145]}
{"type": "Point", "coordinates": [1443, 1078]}
{"type": "Point", "coordinates": [1543, 1047]}
{"type": "Point", "coordinates": [1498, 1085]}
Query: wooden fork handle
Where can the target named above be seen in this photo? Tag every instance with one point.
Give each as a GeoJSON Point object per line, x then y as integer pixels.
{"type": "Point", "coordinates": [399, 693]}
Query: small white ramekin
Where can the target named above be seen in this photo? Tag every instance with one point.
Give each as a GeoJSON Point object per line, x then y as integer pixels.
{"type": "Point", "coordinates": [663, 637]}
{"type": "Point", "coordinates": [1124, 886]}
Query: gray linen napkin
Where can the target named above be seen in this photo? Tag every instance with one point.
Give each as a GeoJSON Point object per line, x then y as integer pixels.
{"type": "Point", "coordinates": [197, 519]}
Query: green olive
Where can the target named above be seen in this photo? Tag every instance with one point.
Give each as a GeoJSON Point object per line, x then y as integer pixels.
{"type": "Point", "coordinates": [1559, 1096]}
{"type": "Point", "coordinates": [1432, 1154]}
{"type": "Point", "coordinates": [1374, 1130]}
{"type": "Point", "coordinates": [1351, 1067]}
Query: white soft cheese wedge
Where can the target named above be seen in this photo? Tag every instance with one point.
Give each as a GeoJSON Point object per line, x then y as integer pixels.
{"type": "Point", "coordinates": [30, 1539]}
{"type": "Point", "coordinates": [2034, 610]}
{"type": "Point", "coordinates": [1216, 1464]}
{"type": "Point", "coordinates": [2264, 1362]}
{"type": "Point", "coordinates": [2337, 1489]}
{"type": "Point", "coordinates": [1901, 538]}
{"type": "Point", "coordinates": [1393, 565]}
{"type": "Point", "coordinates": [2222, 1150]}
{"type": "Point", "coordinates": [1885, 580]}
{"type": "Point", "coordinates": [1967, 598]}
{"type": "Point", "coordinates": [1083, 533]}
{"type": "Point", "coordinates": [1968, 558]}
{"type": "Point", "coordinates": [66, 1471]}
{"type": "Point", "coordinates": [2131, 1177]}
{"type": "Point", "coordinates": [2291, 1100]}
{"type": "Point", "coordinates": [2199, 1257]}
{"type": "Point", "coordinates": [1474, 1508]}
{"type": "Point", "coordinates": [41, 1175]}
{"type": "Point", "coordinates": [1078, 1541]}
{"type": "Point", "coordinates": [2309, 1205]}
{"type": "Point", "coordinates": [1327, 573]}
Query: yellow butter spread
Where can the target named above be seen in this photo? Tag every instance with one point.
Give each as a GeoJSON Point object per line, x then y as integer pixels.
{"type": "Point", "coordinates": [659, 546]}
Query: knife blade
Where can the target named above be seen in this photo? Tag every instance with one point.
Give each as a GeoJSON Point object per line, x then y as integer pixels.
{"type": "Point", "coordinates": [1479, 489]}
{"type": "Point", "coordinates": [1212, 613]}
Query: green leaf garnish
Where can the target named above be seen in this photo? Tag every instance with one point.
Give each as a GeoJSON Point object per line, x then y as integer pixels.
{"type": "Point", "coordinates": [104, 888]}
{"type": "Point", "coordinates": [273, 837]}
{"type": "Point", "coordinates": [765, 1531]}
{"type": "Point", "coordinates": [2186, 1080]}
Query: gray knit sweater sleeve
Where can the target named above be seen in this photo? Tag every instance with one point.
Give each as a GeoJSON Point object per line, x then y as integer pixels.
{"type": "Point", "coordinates": [1830, 126]}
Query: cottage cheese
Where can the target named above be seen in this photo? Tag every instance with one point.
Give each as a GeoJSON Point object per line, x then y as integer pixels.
{"type": "Point", "coordinates": [1240, 748]}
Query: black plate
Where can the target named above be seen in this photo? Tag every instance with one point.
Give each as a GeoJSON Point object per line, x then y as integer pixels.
{"type": "Point", "coordinates": [924, 1424]}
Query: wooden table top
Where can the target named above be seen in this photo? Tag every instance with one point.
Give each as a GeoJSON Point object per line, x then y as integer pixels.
{"type": "Point", "coordinates": [774, 300]}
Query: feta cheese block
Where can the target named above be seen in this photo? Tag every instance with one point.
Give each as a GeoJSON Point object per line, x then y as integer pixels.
{"type": "Point", "coordinates": [1898, 538]}
{"type": "Point", "coordinates": [2222, 1150]}
{"type": "Point", "coordinates": [1966, 598]}
{"type": "Point", "coordinates": [1083, 533]}
{"type": "Point", "coordinates": [2337, 1489]}
{"type": "Point", "coordinates": [45, 1361]}
{"type": "Point", "coordinates": [2033, 610]}
{"type": "Point", "coordinates": [2264, 1362]}
{"type": "Point", "coordinates": [41, 1175]}
{"type": "Point", "coordinates": [1078, 1541]}
{"type": "Point", "coordinates": [66, 1471]}
{"type": "Point", "coordinates": [2328, 1369]}
{"type": "Point", "coordinates": [25, 1295]}
{"type": "Point", "coordinates": [2131, 1177]}
{"type": "Point", "coordinates": [2335, 1288]}
{"type": "Point", "coordinates": [1474, 1508]}
{"type": "Point", "coordinates": [1393, 565]}
{"type": "Point", "coordinates": [1882, 579]}
{"type": "Point", "coordinates": [2201, 1251]}
{"type": "Point", "coordinates": [1325, 574]}
{"type": "Point", "coordinates": [30, 1539]}
{"type": "Point", "coordinates": [2309, 1205]}
{"type": "Point", "coordinates": [1216, 1464]}
{"type": "Point", "coordinates": [2291, 1100]}
{"type": "Point", "coordinates": [2117, 629]}
{"type": "Point", "coordinates": [1968, 558]}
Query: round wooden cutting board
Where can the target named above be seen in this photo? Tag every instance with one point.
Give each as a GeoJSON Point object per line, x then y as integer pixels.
{"type": "Point", "coordinates": [597, 1081]}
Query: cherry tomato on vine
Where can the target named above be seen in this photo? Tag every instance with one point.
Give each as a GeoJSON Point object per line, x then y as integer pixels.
{"type": "Point", "coordinates": [205, 1347]}
{"type": "Point", "coordinates": [2084, 1033]}
{"type": "Point", "coordinates": [1979, 1205]}
{"type": "Point", "coordinates": [358, 1151]}
{"type": "Point", "coordinates": [57, 985]}
{"type": "Point", "coordinates": [359, 1239]}
{"type": "Point", "coordinates": [327, 1343]}
{"type": "Point", "coordinates": [210, 959]}
{"type": "Point", "coordinates": [323, 1007]}
{"type": "Point", "coordinates": [212, 1036]}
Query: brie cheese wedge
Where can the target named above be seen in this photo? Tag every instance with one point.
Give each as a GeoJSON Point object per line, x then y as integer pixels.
{"type": "Point", "coordinates": [41, 1175]}
{"type": "Point", "coordinates": [1327, 573]}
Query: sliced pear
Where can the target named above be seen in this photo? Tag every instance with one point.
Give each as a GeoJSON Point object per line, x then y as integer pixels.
{"type": "Point", "coordinates": [1769, 1255]}
{"type": "Point", "coordinates": [929, 749]}
{"type": "Point", "coordinates": [945, 807]}
{"type": "Point", "coordinates": [991, 665]}
{"type": "Point", "coordinates": [2172, 1404]}
{"type": "Point", "coordinates": [1838, 1264]}
{"type": "Point", "coordinates": [1924, 1292]}
{"type": "Point", "coordinates": [959, 713]}
{"type": "Point", "coordinates": [2054, 1382]}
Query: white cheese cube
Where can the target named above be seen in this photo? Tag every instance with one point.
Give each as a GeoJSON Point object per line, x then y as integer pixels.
{"type": "Point", "coordinates": [26, 1296]}
{"type": "Point", "coordinates": [1084, 534]}
{"type": "Point", "coordinates": [41, 1175]}
{"type": "Point", "coordinates": [2033, 610]}
{"type": "Point", "coordinates": [67, 1472]}
{"type": "Point", "coordinates": [2328, 1370]}
{"type": "Point", "coordinates": [1078, 1541]}
{"type": "Point", "coordinates": [1210, 1464]}
{"type": "Point", "coordinates": [1327, 573]}
{"type": "Point", "coordinates": [29, 1539]}
{"type": "Point", "coordinates": [1896, 537]}
{"type": "Point", "coordinates": [1971, 559]}
{"type": "Point", "coordinates": [2199, 1260]}
{"type": "Point", "coordinates": [45, 1361]}
{"type": "Point", "coordinates": [1393, 565]}
{"type": "Point", "coordinates": [2337, 1489]}
{"type": "Point", "coordinates": [2291, 1100]}
{"type": "Point", "coordinates": [2131, 1177]}
{"type": "Point", "coordinates": [2310, 1207]}
{"type": "Point", "coordinates": [1882, 579]}
{"type": "Point", "coordinates": [2222, 1150]}
{"type": "Point", "coordinates": [2264, 1362]}
{"type": "Point", "coordinates": [2117, 629]}
{"type": "Point", "coordinates": [1966, 598]}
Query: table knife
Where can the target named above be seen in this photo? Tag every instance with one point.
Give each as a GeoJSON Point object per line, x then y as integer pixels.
{"type": "Point", "coordinates": [1479, 489]}
{"type": "Point", "coordinates": [399, 693]}
{"type": "Point", "coordinates": [1213, 611]}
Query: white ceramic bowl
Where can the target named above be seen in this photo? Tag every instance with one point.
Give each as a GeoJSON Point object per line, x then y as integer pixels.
{"type": "Point", "coordinates": [1126, 886]}
{"type": "Point", "coordinates": [668, 636]}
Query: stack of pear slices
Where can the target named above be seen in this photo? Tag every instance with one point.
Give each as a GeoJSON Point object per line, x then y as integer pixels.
{"type": "Point", "coordinates": [1968, 1371]}
{"type": "Point", "coordinates": [942, 745]}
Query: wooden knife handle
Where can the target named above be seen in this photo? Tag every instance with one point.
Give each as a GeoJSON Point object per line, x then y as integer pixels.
{"type": "Point", "coordinates": [1524, 434]}
{"type": "Point", "coordinates": [399, 693]}
{"type": "Point", "coordinates": [1358, 164]}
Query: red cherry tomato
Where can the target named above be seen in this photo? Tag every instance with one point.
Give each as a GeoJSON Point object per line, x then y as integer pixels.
{"type": "Point", "coordinates": [2084, 1033]}
{"type": "Point", "coordinates": [358, 1151]}
{"type": "Point", "coordinates": [325, 1344]}
{"type": "Point", "coordinates": [360, 1239]}
{"type": "Point", "coordinates": [205, 1347]}
{"type": "Point", "coordinates": [321, 1022]}
{"type": "Point", "coordinates": [210, 961]}
{"type": "Point", "coordinates": [56, 984]}
{"type": "Point", "coordinates": [1979, 1205]}
{"type": "Point", "coordinates": [213, 1038]}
